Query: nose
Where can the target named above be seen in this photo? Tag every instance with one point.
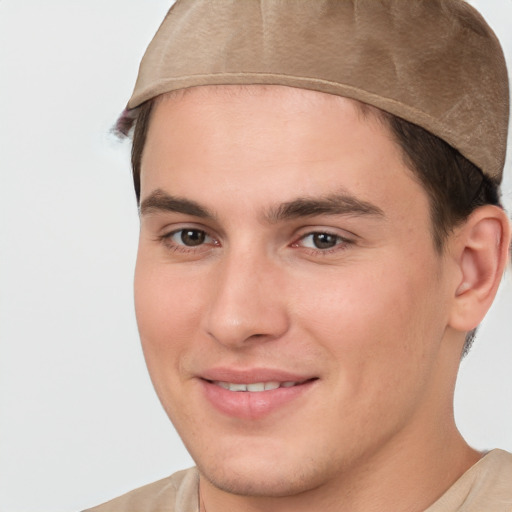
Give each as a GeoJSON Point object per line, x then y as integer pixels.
{"type": "Point", "coordinates": [247, 302]}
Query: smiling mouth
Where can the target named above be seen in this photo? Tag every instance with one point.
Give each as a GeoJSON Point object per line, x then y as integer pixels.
{"type": "Point", "coordinates": [258, 387]}
{"type": "Point", "coordinates": [254, 397]}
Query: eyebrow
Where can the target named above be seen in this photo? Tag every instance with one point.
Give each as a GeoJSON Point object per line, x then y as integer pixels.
{"type": "Point", "coordinates": [334, 204]}
{"type": "Point", "coordinates": [160, 201]}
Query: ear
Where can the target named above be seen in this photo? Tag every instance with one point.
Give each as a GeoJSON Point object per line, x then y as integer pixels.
{"type": "Point", "coordinates": [481, 249]}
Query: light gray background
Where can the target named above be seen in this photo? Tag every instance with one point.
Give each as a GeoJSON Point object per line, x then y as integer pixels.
{"type": "Point", "coordinates": [79, 422]}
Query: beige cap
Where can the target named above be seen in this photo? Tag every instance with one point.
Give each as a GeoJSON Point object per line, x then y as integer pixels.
{"type": "Point", "coordinates": [435, 63]}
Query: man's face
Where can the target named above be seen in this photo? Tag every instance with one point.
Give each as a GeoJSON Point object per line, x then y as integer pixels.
{"type": "Point", "coordinates": [283, 241]}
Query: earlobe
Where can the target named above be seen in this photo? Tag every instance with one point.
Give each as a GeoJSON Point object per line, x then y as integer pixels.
{"type": "Point", "coordinates": [481, 253]}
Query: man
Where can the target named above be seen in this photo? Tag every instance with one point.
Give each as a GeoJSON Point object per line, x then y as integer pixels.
{"type": "Point", "coordinates": [321, 234]}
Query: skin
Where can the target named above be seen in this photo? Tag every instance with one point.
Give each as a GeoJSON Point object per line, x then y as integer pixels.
{"type": "Point", "coordinates": [376, 318]}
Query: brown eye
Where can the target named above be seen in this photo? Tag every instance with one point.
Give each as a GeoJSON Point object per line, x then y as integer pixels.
{"type": "Point", "coordinates": [189, 240]}
{"type": "Point", "coordinates": [192, 237]}
{"type": "Point", "coordinates": [324, 240]}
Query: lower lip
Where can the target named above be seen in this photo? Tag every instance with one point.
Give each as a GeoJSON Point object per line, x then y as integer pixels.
{"type": "Point", "coordinates": [252, 405]}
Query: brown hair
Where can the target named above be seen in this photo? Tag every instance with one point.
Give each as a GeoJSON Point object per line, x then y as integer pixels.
{"type": "Point", "coordinates": [455, 186]}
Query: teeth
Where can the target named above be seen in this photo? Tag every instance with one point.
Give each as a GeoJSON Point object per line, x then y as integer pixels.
{"type": "Point", "coordinates": [258, 386]}
{"type": "Point", "coordinates": [237, 387]}
{"type": "Point", "coordinates": [255, 387]}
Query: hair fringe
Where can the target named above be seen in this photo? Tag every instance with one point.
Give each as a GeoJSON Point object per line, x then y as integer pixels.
{"type": "Point", "coordinates": [125, 122]}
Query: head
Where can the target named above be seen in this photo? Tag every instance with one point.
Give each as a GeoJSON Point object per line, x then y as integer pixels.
{"type": "Point", "coordinates": [315, 230]}
{"type": "Point", "coordinates": [285, 239]}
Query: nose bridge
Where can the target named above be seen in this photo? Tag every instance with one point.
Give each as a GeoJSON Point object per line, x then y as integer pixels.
{"type": "Point", "coordinates": [245, 303]}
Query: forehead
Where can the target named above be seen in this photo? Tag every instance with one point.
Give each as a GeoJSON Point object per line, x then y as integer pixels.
{"type": "Point", "coordinates": [279, 117]}
{"type": "Point", "coordinates": [293, 99]}
{"type": "Point", "coordinates": [215, 142]}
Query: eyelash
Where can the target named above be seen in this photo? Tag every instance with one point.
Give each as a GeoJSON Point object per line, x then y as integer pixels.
{"type": "Point", "coordinates": [341, 242]}
{"type": "Point", "coordinates": [167, 240]}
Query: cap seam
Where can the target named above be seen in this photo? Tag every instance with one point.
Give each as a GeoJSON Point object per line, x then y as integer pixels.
{"type": "Point", "coordinates": [336, 85]}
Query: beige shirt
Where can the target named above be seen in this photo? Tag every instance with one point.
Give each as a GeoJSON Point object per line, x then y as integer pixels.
{"type": "Point", "coordinates": [485, 487]}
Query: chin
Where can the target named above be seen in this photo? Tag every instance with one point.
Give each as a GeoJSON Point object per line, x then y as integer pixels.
{"type": "Point", "coordinates": [270, 471]}
{"type": "Point", "coordinates": [270, 480]}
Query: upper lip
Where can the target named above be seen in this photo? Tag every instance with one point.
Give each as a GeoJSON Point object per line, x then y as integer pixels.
{"type": "Point", "coordinates": [251, 375]}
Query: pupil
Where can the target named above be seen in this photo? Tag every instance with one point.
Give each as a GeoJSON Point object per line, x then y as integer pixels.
{"type": "Point", "coordinates": [324, 240]}
{"type": "Point", "coordinates": [192, 237]}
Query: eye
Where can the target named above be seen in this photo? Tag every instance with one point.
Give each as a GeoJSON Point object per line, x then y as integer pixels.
{"type": "Point", "coordinates": [188, 238]}
{"type": "Point", "coordinates": [322, 241]}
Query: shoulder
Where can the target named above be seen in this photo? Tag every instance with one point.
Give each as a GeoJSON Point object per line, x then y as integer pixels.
{"type": "Point", "coordinates": [176, 493]}
{"type": "Point", "coordinates": [496, 475]}
{"type": "Point", "coordinates": [486, 486]}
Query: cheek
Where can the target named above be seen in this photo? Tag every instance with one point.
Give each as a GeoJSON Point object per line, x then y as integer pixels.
{"type": "Point", "coordinates": [166, 306]}
{"type": "Point", "coordinates": [357, 301]}
{"type": "Point", "coordinates": [375, 322]}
